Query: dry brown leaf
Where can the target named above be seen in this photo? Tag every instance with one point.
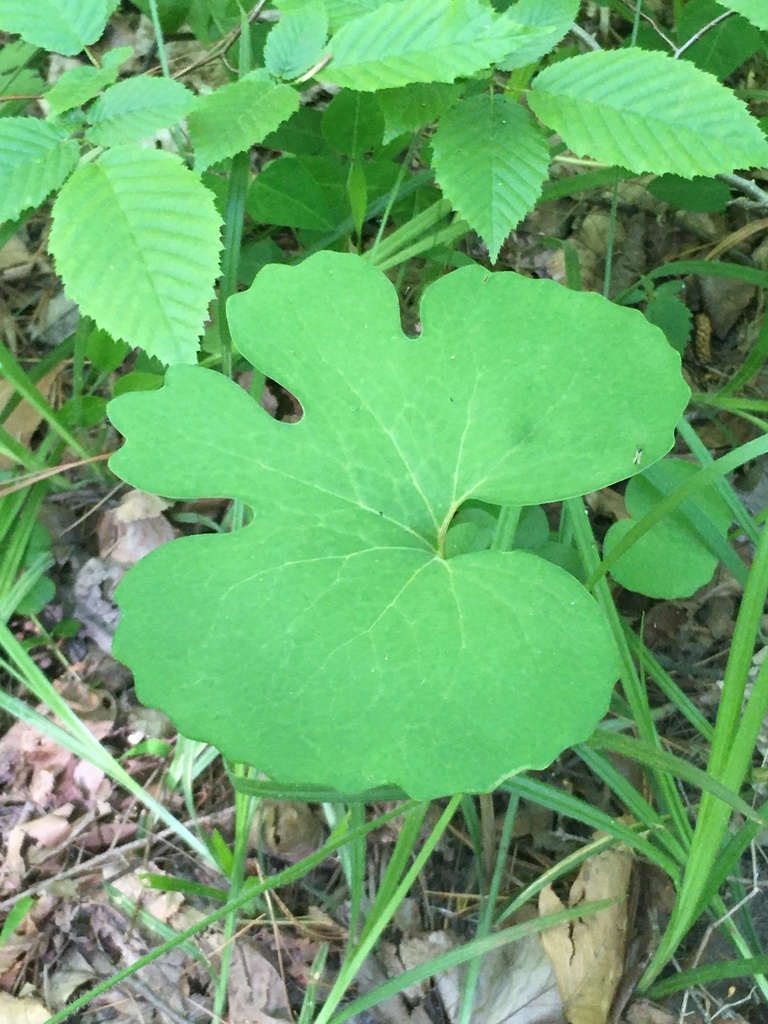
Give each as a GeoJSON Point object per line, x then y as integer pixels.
{"type": "Point", "coordinates": [588, 955]}
{"type": "Point", "coordinates": [24, 420]}
{"type": "Point", "coordinates": [22, 1011]}
{"type": "Point", "coordinates": [516, 984]}
{"type": "Point", "coordinates": [15, 259]}
{"type": "Point", "coordinates": [256, 991]}
{"type": "Point", "coordinates": [133, 529]}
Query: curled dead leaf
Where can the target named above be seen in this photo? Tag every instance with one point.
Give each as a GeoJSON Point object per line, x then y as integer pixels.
{"type": "Point", "coordinates": [588, 955]}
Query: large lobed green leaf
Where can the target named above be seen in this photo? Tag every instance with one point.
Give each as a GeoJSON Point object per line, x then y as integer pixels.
{"type": "Point", "coordinates": [490, 160]}
{"type": "Point", "coordinates": [647, 112]}
{"type": "Point", "coordinates": [237, 116]}
{"type": "Point", "coordinates": [35, 158]}
{"type": "Point", "coordinates": [136, 241]}
{"type": "Point", "coordinates": [62, 26]}
{"type": "Point", "coordinates": [331, 641]}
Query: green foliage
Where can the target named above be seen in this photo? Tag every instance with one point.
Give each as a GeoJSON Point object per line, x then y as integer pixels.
{"type": "Point", "coordinates": [601, 105]}
{"type": "Point", "coordinates": [753, 10]}
{"type": "Point", "coordinates": [237, 116]}
{"type": "Point", "coordinates": [701, 195]}
{"type": "Point", "coordinates": [408, 41]}
{"type": "Point", "coordinates": [491, 160]}
{"type": "Point", "coordinates": [136, 108]}
{"type": "Point", "coordinates": [35, 158]}
{"type": "Point", "coordinates": [671, 559]}
{"type": "Point", "coordinates": [300, 192]}
{"type": "Point", "coordinates": [383, 643]}
{"type": "Point", "coordinates": [148, 279]}
{"type": "Point", "coordinates": [64, 26]}
{"type": "Point", "coordinates": [399, 609]}
{"type": "Point", "coordinates": [296, 43]}
{"type": "Point", "coordinates": [538, 28]}
{"type": "Point", "coordinates": [80, 84]}
{"type": "Point", "coordinates": [723, 47]}
{"type": "Point", "coordinates": [352, 123]}
{"type": "Point", "coordinates": [673, 317]}
{"type": "Point", "coordinates": [172, 13]}
{"type": "Point", "coordinates": [413, 106]}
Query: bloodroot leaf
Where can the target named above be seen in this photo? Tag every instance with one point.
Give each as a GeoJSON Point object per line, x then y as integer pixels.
{"type": "Point", "coordinates": [331, 641]}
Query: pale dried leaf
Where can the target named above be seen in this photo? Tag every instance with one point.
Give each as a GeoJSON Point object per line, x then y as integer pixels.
{"type": "Point", "coordinates": [588, 955]}
{"type": "Point", "coordinates": [15, 259]}
{"type": "Point", "coordinates": [256, 991]}
{"type": "Point", "coordinates": [22, 1011]}
{"type": "Point", "coordinates": [24, 420]}
{"type": "Point", "coordinates": [133, 529]}
{"type": "Point", "coordinates": [516, 985]}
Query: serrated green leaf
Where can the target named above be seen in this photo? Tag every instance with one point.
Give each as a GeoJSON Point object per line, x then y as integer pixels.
{"type": "Point", "coordinates": [237, 116]}
{"type": "Point", "coordinates": [298, 192]}
{"type": "Point", "coordinates": [78, 85]}
{"type": "Point", "coordinates": [352, 123]}
{"type": "Point", "coordinates": [172, 13]}
{"type": "Point", "coordinates": [17, 78]}
{"type": "Point", "coordinates": [35, 158]}
{"type": "Point", "coordinates": [296, 42]}
{"type": "Point", "coordinates": [300, 134]}
{"type": "Point", "coordinates": [490, 160]}
{"type": "Point", "coordinates": [687, 124]}
{"type": "Point", "coordinates": [330, 641]}
{"type": "Point", "coordinates": [410, 41]}
{"type": "Point", "coordinates": [415, 106]}
{"type": "Point", "coordinates": [725, 46]}
{"type": "Point", "coordinates": [671, 560]}
{"type": "Point", "coordinates": [539, 28]}
{"type": "Point", "coordinates": [62, 26]}
{"type": "Point", "coordinates": [136, 241]}
{"type": "Point", "coordinates": [753, 10]}
{"type": "Point", "coordinates": [135, 109]}
{"type": "Point", "coordinates": [701, 195]}
{"type": "Point", "coordinates": [673, 317]}
{"type": "Point", "coordinates": [338, 11]}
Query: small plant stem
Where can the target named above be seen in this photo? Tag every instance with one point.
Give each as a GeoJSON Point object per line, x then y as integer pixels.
{"type": "Point", "coordinates": [447, 236]}
{"type": "Point", "coordinates": [233, 234]}
{"type": "Point", "coordinates": [488, 911]}
{"type": "Point", "coordinates": [702, 32]}
{"type": "Point", "coordinates": [725, 464]}
{"type": "Point", "coordinates": [357, 859]}
{"type": "Point", "coordinates": [74, 736]}
{"type": "Point", "coordinates": [394, 193]}
{"type": "Point", "coordinates": [409, 233]}
{"type": "Point", "coordinates": [388, 899]}
{"type": "Point", "coordinates": [752, 364]}
{"type": "Point", "coordinates": [245, 808]}
{"type": "Point", "coordinates": [286, 877]}
{"type": "Point", "coordinates": [18, 379]}
{"type": "Point", "coordinates": [160, 41]}
{"type": "Point", "coordinates": [634, 689]}
{"type": "Point", "coordinates": [611, 240]}
{"type": "Point", "coordinates": [740, 514]}
{"type": "Point", "coordinates": [506, 527]}
{"type": "Point", "coordinates": [589, 41]}
{"type": "Point", "coordinates": [729, 760]}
